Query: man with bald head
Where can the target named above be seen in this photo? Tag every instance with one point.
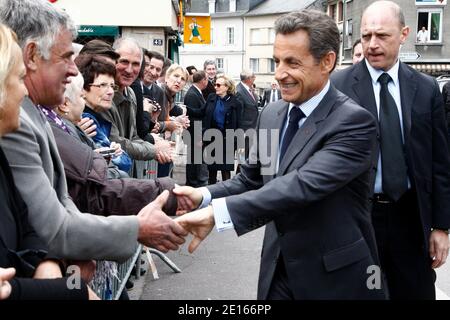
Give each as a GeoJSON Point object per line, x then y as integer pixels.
{"type": "Point", "coordinates": [411, 176]}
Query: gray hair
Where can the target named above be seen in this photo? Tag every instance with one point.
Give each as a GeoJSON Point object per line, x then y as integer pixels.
{"type": "Point", "coordinates": [35, 21]}
{"type": "Point", "coordinates": [322, 31]}
{"type": "Point", "coordinates": [246, 74]}
{"type": "Point", "coordinates": [124, 41]}
{"type": "Point", "coordinates": [74, 88]}
{"type": "Point", "coordinates": [208, 62]}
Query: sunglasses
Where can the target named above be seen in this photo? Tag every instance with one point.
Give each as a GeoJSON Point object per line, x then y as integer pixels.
{"type": "Point", "coordinates": [218, 85]}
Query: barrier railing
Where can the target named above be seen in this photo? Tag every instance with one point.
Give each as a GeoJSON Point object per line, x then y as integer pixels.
{"type": "Point", "coordinates": [110, 277]}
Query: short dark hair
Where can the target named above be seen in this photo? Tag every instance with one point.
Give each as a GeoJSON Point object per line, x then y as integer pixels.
{"type": "Point", "coordinates": [322, 31]}
{"type": "Point", "coordinates": [91, 66]}
{"type": "Point", "coordinates": [154, 54]}
{"type": "Point", "coordinates": [358, 41]}
{"type": "Point", "coordinates": [198, 76]}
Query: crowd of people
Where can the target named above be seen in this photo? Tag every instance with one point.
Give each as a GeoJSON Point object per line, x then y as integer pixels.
{"type": "Point", "coordinates": [348, 186]}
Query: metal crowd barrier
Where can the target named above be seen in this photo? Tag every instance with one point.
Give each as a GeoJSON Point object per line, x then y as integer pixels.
{"type": "Point", "coordinates": [110, 277]}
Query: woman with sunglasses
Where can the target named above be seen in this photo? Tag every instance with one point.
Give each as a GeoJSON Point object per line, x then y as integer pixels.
{"type": "Point", "coordinates": [222, 113]}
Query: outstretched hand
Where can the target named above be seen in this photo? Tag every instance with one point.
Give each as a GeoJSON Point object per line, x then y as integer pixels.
{"type": "Point", "coordinates": [156, 229]}
{"type": "Point", "coordinates": [199, 223]}
{"type": "Point", "coordinates": [5, 287]}
{"type": "Point", "coordinates": [188, 198]}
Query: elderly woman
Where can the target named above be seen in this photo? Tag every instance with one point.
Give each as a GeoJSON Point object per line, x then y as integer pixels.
{"type": "Point", "coordinates": [222, 113]}
{"type": "Point", "coordinates": [99, 88]}
{"type": "Point", "coordinates": [20, 246]}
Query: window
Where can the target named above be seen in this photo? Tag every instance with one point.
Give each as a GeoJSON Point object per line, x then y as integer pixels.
{"type": "Point", "coordinates": [230, 35]}
{"type": "Point", "coordinates": [271, 35]}
{"type": "Point", "coordinates": [340, 11]}
{"type": "Point", "coordinates": [431, 2]}
{"type": "Point", "coordinates": [332, 11]}
{"type": "Point", "coordinates": [254, 65]}
{"type": "Point", "coordinates": [429, 26]}
{"type": "Point", "coordinates": [255, 36]}
{"type": "Point", "coordinates": [219, 64]}
{"type": "Point", "coordinates": [271, 65]}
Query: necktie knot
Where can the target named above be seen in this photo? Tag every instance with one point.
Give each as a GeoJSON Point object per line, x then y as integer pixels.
{"type": "Point", "coordinates": [384, 79]}
{"type": "Point", "coordinates": [295, 115]}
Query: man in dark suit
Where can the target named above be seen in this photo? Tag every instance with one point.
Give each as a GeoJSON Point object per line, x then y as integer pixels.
{"type": "Point", "coordinates": [410, 174]}
{"type": "Point", "coordinates": [248, 99]}
{"type": "Point", "coordinates": [312, 192]}
{"type": "Point", "coordinates": [196, 171]}
{"type": "Point", "coordinates": [271, 95]}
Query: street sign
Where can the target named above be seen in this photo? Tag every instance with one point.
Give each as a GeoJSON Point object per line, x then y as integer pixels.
{"type": "Point", "coordinates": [408, 56]}
{"type": "Point", "coordinates": [157, 42]}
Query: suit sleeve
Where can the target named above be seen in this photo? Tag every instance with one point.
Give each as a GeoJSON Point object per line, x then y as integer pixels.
{"type": "Point", "coordinates": [194, 106]}
{"type": "Point", "coordinates": [345, 155]}
{"type": "Point", "coordinates": [68, 232]}
{"type": "Point", "coordinates": [137, 148]}
{"type": "Point", "coordinates": [46, 289]}
{"type": "Point", "coordinates": [440, 165]}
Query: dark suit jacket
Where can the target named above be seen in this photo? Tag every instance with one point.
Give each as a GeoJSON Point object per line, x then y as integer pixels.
{"type": "Point", "coordinates": [144, 125]}
{"type": "Point", "coordinates": [427, 154]}
{"type": "Point", "coordinates": [266, 96]}
{"type": "Point", "coordinates": [196, 105]}
{"type": "Point", "coordinates": [209, 88]}
{"type": "Point", "coordinates": [249, 114]}
{"type": "Point", "coordinates": [316, 205]}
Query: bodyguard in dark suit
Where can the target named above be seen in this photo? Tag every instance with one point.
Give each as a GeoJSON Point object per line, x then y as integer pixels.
{"type": "Point", "coordinates": [312, 192]}
{"type": "Point", "coordinates": [248, 99]}
{"type": "Point", "coordinates": [196, 171]}
{"type": "Point", "coordinates": [271, 95]}
{"type": "Point", "coordinates": [410, 167]}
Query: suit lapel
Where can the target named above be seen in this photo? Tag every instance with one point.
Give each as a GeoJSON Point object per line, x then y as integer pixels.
{"type": "Point", "coordinates": [199, 95]}
{"type": "Point", "coordinates": [308, 129]}
{"type": "Point", "coordinates": [363, 89]}
{"type": "Point", "coordinates": [408, 88]}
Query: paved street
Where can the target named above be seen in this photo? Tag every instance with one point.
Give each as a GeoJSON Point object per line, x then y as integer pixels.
{"type": "Point", "coordinates": [224, 267]}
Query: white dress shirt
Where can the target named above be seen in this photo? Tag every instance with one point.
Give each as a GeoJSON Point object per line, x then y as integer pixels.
{"type": "Point", "coordinates": [221, 214]}
{"type": "Point", "coordinates": [394, 90]}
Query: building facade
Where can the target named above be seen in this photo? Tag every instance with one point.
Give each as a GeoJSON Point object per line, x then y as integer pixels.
{"type": "Point", "coordinates": [260, 36]}
{"type": "Point", "coordinates": [429, 53]}
{"type": "Point", "coordinates": [153, 23]}
{"type": "Point", "coordinates": [227, 35]}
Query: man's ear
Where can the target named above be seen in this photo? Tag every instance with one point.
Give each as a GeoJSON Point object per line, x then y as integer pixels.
{"type": "Point", "coordinates": [31, 56]}
{"type": "Point", "coordinates": [327, 62]}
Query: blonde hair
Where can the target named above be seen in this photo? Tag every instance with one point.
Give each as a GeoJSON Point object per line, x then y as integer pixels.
{"type": "Point", "coordinates": [174, 67]}
{"type": "Point", "coordinates": [7, 57]}
{"type": "Point", "coordinates": [229, 83]}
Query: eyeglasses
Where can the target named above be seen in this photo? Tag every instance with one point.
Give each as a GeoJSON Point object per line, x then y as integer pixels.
{"type": "Point", "coordinates": [218, 85]}
{"type": "Point", "coordinates": [105, 86]}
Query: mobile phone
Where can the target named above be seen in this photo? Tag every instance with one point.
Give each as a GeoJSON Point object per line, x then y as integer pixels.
{"type": "Point", "coordinates": [107, 152]}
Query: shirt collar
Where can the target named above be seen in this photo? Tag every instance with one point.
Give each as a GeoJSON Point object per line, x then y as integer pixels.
{"type": "Point", "coordinates": [308, 106]}
{"type": "Point", "coordinates": [376, 73]}
{"type": "Point", "coordinates": [246, 86]}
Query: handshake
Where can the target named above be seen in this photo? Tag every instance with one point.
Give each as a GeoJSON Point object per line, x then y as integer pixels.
{"type": "Point", "coordinates": [159, 231]}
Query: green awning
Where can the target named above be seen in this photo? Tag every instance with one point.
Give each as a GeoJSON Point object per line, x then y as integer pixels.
{"type": "Point", "coordinates": [98, 31]}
